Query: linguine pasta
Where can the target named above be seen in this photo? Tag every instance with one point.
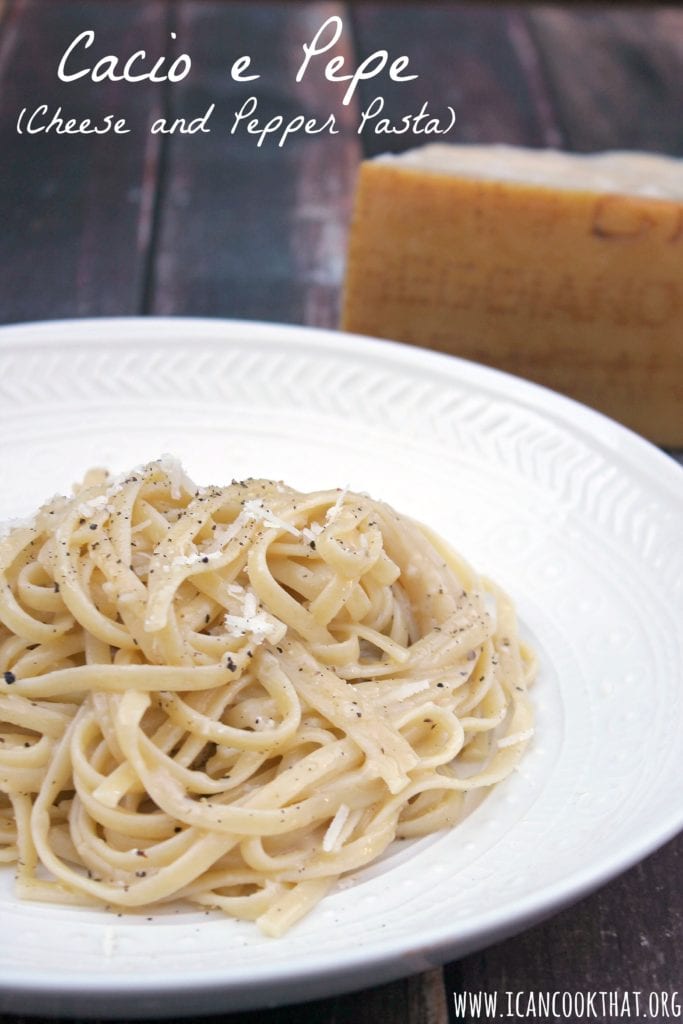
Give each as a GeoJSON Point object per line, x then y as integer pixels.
{"type": "Point", "coordinates": [235, 695]}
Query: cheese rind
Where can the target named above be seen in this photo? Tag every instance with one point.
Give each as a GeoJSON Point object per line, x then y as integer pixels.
{"type": "Point", "coordinates": [567, 270]}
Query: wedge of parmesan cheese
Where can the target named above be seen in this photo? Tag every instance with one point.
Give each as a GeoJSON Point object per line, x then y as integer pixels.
{"type": "Point", "coordinates": [566, 269]}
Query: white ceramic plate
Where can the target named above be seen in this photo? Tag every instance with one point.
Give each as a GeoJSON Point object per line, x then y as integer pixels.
{"type": "Point", "coordinates": [575, 516]}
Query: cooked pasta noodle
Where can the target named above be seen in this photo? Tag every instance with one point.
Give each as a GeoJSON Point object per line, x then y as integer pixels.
{"type": "Point", "coordinates": [235, 695]}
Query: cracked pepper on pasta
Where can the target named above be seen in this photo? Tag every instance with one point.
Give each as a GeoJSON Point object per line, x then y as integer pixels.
{"type": "Point", "coordinates": [234, 696]}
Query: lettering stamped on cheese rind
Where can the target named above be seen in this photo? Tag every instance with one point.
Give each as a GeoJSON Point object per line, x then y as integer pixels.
{"type": "Point", "coordinates": [504, 289]}
{"type": "Point", "coordinates": [565, 277]}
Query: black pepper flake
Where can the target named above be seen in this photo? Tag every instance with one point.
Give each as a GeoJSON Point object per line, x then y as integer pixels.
{"type": "Point", "coordinates": [205, 559]}
{"type": "Point", "coordinates": [9, 677]}
{"type": "Point", "coordinates": [56, 588]}
{"type": "Point", "coordinates": [140, 874]}
{"type": "Point", "coordinates": [207, 619]}
{"type": "Point", "coordinates": [93, 526]}
{"type": "Point", "coordinates": [231, 664]}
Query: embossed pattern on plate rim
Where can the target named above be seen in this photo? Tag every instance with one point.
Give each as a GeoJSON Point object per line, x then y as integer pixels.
{"type": "Point", "coordinates": [627, 456]}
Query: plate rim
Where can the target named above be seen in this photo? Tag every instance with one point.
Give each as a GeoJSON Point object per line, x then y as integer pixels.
{"type": "Point", "coordinates": [539, 395]}
{"type": "Point", "coordinates": [437, 943]}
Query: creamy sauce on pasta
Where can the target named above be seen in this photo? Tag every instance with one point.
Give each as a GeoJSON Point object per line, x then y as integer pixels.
{"type": "Point", "coordinates": [235, 696]}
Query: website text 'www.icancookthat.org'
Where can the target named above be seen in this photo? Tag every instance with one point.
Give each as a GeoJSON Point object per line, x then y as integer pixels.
{"type": "Point", "coordinates": [602, 1006]}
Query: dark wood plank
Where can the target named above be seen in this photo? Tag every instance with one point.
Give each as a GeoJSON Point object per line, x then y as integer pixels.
{"type": "Point", "coordinates": [417, 1000]}
{"type": "Point", "coordinates": [247, 231]}
{"type": "Point", "coordinates": [615, 75]}
{"type": "Point", "coordinates": [75, 210]}
{"type": "Point", "coordinates": [627, 937]}
{"type": "Point", "coordinates": [477, 58]}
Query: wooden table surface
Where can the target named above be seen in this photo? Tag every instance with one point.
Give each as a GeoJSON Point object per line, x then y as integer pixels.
{"type": "Point", "coordinates": [211, 225]}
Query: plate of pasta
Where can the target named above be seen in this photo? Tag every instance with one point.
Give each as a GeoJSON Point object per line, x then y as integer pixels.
{"type": "Point", "coordinates": [309, 643]}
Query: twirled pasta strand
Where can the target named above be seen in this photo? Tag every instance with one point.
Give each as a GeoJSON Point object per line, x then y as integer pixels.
{"type": "Point", "coordinates": [234, 696]}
